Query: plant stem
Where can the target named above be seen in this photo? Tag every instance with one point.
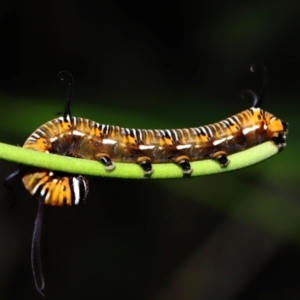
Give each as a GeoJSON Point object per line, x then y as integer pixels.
{"type": "Point", "coordinates": [130, 170]}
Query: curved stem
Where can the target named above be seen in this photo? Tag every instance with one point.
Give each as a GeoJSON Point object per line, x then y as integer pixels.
{"type": "Point", "coordinates": [130, 170]}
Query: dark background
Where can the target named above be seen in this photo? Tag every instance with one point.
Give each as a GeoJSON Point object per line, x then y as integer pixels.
{"type": "Point", "coordinates": [154, 64]}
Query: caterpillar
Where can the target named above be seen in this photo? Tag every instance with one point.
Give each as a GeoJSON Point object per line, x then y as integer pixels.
{"type": "Point", "coordinates": [83, 138]}
{"type": "Point", "coordinates": [78, 137]}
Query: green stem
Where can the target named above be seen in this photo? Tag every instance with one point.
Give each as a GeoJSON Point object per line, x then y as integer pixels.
{"type": "Point", "coordinates": [130, 170]}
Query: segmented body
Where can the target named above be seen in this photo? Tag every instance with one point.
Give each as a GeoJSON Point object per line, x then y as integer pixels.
{"type": "Point", "coordinates": [83, 138]}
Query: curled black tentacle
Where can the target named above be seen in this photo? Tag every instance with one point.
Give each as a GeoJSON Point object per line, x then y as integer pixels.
{"type": "Point", "coordinates": [61, 75]}
{"type": "Point", "coordinates": [252, 93]}
{"type": "Point", "coordinates": [253, 68]}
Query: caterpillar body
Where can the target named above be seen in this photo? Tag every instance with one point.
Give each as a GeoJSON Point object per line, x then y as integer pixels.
{"type": "Point", "coordinates": [83, 138]}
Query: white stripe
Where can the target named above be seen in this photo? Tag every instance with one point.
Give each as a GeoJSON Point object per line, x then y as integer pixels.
{"type": "Point", "coordinates": [236, 119]}
{"type": "Point", "coordinates": [162, 133]}
{"type": "Point", "coordinates": [39, 132]}
{"type": "Point", "coordinates": [197, 130]}
{"type": "Point", "coordinates": [203, 130]}
{"type": "Point", "coordinates": [43, 192]}
{"type": "Point", "coordinates": [35, 135]}
{"type": "Point", "coordinates": [180, 147]}
{"type": "Point", "coordinates": [76, 190]}
{"type": "Point", "coordinates": [139, 136]}
{"type": "Point", "coordinates": [35, 188]}
{"type": "Point", "coordinates": [217, 142]}
{"type": "Point", "coordinates": [210, 131]}
{"type": "Point", "coordinates": [76, 132]}
{"type": "Point", "coordinates": [231, 121]}
{"type": "Point", "coordinates": [146, 147]}
{"type": "Point", "coordinates": [109, 142]}
{"type": "Point", "coordinates": [47, 196]}
{"type": "Point", "coordinates": [134, 132]}
{"type": "Point", "coordinates": [247, 130]}
{"type": "Point", "coordinates": [225, 123]}
{"type": "Point", "coordinates": [175, 134]}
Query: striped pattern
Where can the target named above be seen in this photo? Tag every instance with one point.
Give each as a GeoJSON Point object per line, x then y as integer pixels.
{"type": "Point", "coordinates": [83, 138]}
{"type": "Point", "coordinates": [56, 188]}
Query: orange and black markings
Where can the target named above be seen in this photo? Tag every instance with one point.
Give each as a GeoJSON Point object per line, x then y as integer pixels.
{"type": "Point", "coordinates": [83, 138]}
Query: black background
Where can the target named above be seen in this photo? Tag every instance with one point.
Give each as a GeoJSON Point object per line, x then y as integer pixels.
{"type": "Point", "coordinates": [154, 64]}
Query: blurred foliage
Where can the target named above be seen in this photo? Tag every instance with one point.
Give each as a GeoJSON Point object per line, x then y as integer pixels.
{"type": "Point", "coordinates": [154, 64]}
